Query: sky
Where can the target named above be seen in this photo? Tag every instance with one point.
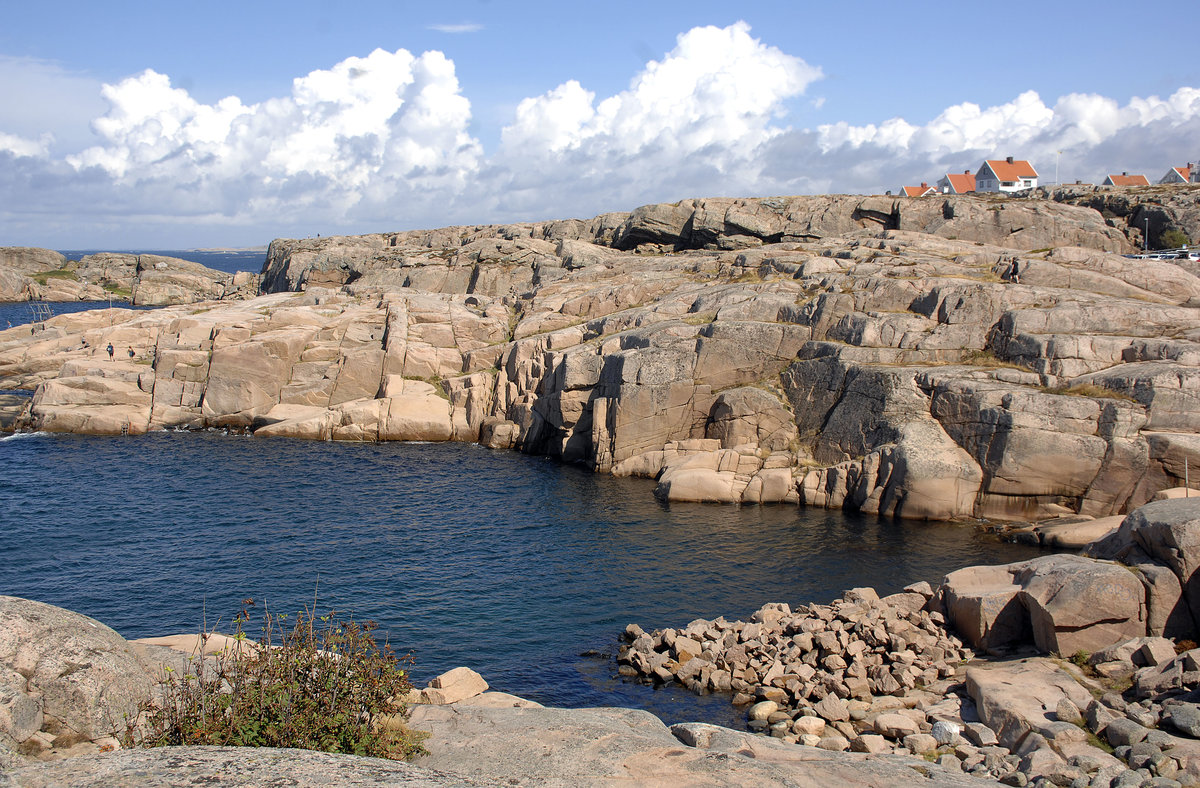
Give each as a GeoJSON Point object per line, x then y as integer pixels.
{"type": "Point", "coordinates": [139, 125]}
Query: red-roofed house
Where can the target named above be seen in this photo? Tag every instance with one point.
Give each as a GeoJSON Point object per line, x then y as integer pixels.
{"type": "Point", "coordinates": [918, 191]}
{"type": "Point", "coordinates": [1125, 179]}
{"type": "Point", "coordinates": [957, 183]}
{"type": "Point", "coordinates": [1005, 175]}
{"type": "Point", "coordinates": [1176, 175]}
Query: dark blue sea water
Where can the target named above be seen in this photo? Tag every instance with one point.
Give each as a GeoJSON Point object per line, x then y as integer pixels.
{"type": "Point", "coordinates": [16, 313]}
{"type": "Point", "coordinates": [511, 564]}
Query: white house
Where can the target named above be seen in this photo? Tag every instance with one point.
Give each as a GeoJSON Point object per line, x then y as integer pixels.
{"type": "Point", "coordinates": [1005, 175]}
{"type": "Point", "coordinates": [957, 183]}
{"type": "Point", "coordinates": [1176, 175]}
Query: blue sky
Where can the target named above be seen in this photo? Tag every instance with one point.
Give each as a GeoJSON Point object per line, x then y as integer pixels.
{"type": "Point", "coordinates": [231, 124]}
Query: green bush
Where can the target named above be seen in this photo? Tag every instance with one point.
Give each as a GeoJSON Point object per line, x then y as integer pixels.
{"type": "Point", "coordinates": [316, 683]}
{"type": "Point", "coordinates": [1174, 239]}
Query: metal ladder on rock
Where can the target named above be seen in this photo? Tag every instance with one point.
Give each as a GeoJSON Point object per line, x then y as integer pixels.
{"type": "Point", "coordinates": [40, 312]}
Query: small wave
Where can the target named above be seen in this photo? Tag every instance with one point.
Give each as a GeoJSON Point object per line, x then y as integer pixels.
{"type": "Point", "coordinates": [18, 435]}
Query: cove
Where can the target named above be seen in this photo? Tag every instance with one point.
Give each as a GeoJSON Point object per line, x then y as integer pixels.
{"type": "Point", "coordinates": [518, 566]}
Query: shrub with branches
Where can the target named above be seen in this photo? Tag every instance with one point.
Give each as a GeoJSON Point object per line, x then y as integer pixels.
{"type": "Point", "coordinates": [314, 682]}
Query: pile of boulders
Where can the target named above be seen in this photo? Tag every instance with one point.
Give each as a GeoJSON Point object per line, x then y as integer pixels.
{"type": "Point", "coordinates": [883, 675]}
{"type": "Point", "coordinates": [817, 674]}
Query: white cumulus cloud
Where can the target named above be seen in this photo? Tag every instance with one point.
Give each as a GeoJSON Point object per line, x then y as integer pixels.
{"type": "Point", "coordinates": [22, 147]}
{"type": "Point", "coordinates": [692, 120]}
{"type": "Point", "coordinates": [1095, 134]}
{"type": "Point", "coordinates": [370, 128]}
{"type": "Point", "coordinates": [383, 142]}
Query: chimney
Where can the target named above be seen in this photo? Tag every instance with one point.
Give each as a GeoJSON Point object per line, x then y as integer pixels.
{"type": "Point", "coordinates": [966, 172]}
{"type": "Point", "coordinates": [924, 185]}
{"type": "Point", "coordinates": [1124, 173]}
{"type": "Point", "coordinates": [1009, 160]}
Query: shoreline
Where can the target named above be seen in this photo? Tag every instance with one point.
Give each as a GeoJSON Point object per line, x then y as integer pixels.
{"type": "Point", "coordinates": [1008, 713]}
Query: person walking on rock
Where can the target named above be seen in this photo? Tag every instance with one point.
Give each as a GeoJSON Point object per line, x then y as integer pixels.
{"type": "Point", "coordinates": [110, 351]}
{"type": "Point", "coordinates": [1015, 275]}
{"type": "Point", "coordinates": [131, 353]}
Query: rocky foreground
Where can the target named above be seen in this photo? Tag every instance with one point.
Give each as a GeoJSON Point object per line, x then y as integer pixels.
{"type": "Point", "coordinates": [865, 691]}
{"type": "Point", "coordinates": [841, 352]}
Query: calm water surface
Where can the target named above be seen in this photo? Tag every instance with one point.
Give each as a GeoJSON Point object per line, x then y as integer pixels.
{"type": "Point", "coordinates": [511, 564]}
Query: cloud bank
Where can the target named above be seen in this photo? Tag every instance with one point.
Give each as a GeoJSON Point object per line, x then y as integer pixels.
{"type": "Point", "coordinates": [382, 142]}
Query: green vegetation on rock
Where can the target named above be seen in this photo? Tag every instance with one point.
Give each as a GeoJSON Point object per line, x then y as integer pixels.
{"type": "Point", "coordinates": [41, 277]}
{"type": "Point", "coordinates": [312, 682]}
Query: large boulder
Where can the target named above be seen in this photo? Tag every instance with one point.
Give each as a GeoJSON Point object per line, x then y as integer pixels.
{"type": "Point", "coordinates": [82, 678]}
{"type": "Point", "coordinates": [1062, 603]}
{"type": "Point", "coordinates": [1078, 604]}
{"type": "Point", "coordinates": [1017, 698]}
{"type": "Point", "coordinates": [1166, 533]}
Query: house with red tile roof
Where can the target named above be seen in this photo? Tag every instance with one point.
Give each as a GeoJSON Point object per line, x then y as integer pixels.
{"type": "Point", "coordinates": [1125, 179]}
{"type": "Point", "coordinates": [1005, 175]}
{"type": "Point", "coordinates": [1177, 175]}
{"type": "Point", "coordinates": [918, 191]}
{"type": "Point", "coordinates": [957, 183]}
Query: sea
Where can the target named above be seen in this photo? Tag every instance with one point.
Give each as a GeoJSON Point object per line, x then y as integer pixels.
{"type": "Point", "coordinates": [518, 566]}
{"type": "Point", "coordinates": [523, 568]}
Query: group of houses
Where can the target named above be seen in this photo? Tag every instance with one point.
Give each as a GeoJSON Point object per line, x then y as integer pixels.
{"type": "Point", "coordinates": [1015, 175]}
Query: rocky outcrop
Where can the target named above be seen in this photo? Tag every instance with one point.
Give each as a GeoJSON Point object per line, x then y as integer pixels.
{"type": "Point", "coordinates": [1139, 580]}
{"type": "Point", "coordinates": [28, 274]}
{"type": "Point", "coordinates": [836, 352]}
{"type": "Point", "coordinates": [492, 259]}
{"type": "Point", "coordinates": [1133, 210]}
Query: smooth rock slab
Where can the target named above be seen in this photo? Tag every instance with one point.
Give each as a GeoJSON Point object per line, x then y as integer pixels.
{"type": "Point", "coordinates": [167, 767]}
{"type": "Point", "coordinates": [1014, 698]}
{"type": "Point", "coordinates": [570, 747]}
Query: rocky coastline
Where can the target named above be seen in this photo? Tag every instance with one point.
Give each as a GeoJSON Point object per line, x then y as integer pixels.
{"type": "Point", "coordinates": [1063, 670]}
{"type": "Point", "coordinates": [30, 274]}
{"type": "Point", "coordinates": [864, 353]}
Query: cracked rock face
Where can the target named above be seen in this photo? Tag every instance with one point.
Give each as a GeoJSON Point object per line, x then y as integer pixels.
{"type": "Point", "coordinates": [840, 352]}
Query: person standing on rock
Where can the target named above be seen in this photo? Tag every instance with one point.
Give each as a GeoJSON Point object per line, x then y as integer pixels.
{"type": "Point", "coordinates": [131, 353]}
{"type": "Point", "coordinates": [110, 351]}
{"type": "Point", "coordinates": [1014, 275]}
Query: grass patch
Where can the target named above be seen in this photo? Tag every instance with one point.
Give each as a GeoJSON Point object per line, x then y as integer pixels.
{"type": "Point", "coordinates": [312, 682]}
{"type": "Point", "coordinates": [1095, 740]}
{"type": "Point", "coordinates": [987, 359]}
{"type": "Point", "coordinates": [700, 318]}
{"type": "Point", "coordinates": [41, 277]}
{"type": "Point", "coordinates": [1089, 390]}
{"type": "Point", "coordinates": [117, 290]}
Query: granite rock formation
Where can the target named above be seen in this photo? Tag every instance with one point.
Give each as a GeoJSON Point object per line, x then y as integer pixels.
{"type": "Point", "coordinates": [845, 352]}
{"type": "Point", "coordinates": [1134, 210]}
{"type": "Point", "coordinates": [30, 274]}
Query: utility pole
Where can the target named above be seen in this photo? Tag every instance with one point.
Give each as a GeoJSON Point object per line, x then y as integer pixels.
{"type": "Point", "coordinates": [1057, 182]}
{"type": "Point", "coordinates": [1146, 239]}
